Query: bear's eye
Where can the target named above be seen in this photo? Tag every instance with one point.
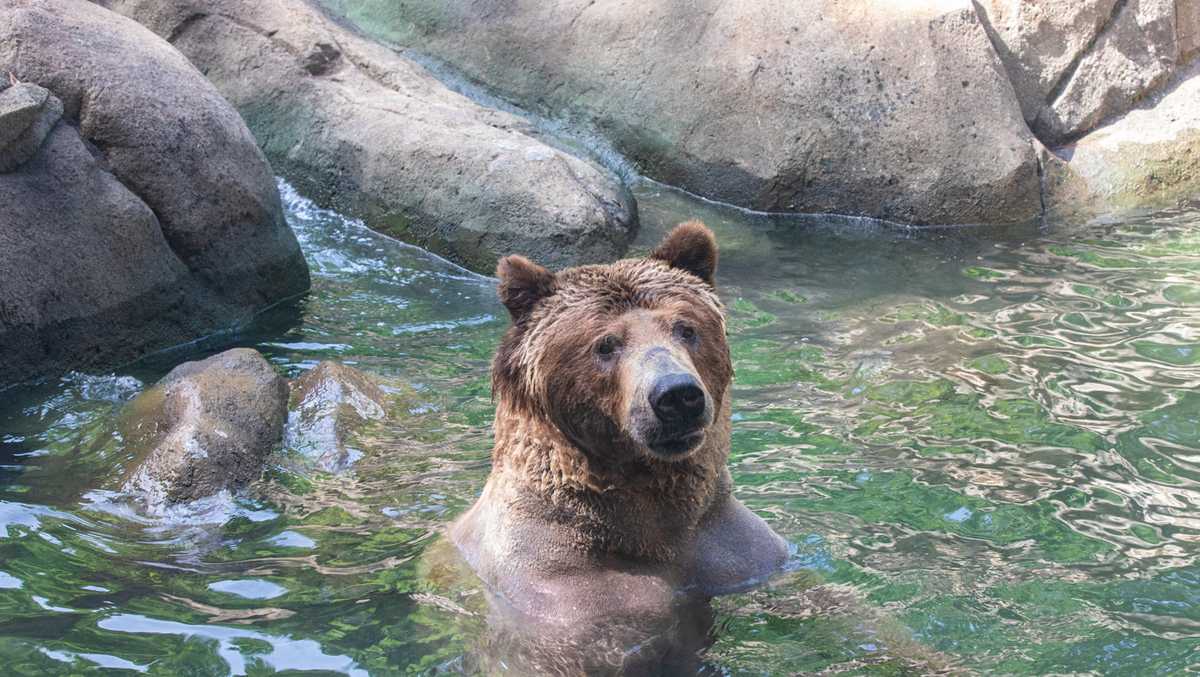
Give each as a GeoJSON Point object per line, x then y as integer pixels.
{"type": "Point", "coordinates": [685, 332]}
{"type": "Point", "coordinates": [608, 346]}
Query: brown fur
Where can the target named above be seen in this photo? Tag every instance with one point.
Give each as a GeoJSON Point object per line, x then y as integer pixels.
{"type": "Point", "coordinates": [575, 492]}
{"type": "Point", "coordinates": [691, 247]}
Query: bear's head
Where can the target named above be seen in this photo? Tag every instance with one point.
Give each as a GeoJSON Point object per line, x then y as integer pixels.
{"type": "Point", "coordinates": [627, 360]}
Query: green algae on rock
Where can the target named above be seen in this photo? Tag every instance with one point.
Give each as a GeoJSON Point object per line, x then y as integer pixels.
{"type": "Point", "coordinates": [206, 427]}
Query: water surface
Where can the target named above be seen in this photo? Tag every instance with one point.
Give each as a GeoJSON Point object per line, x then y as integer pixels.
{"type": "Point", "coordinates": [984, 447]}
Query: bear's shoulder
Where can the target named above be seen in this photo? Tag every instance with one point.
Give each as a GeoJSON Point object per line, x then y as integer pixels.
{"type": "Point", "coordinates": [734, 550]}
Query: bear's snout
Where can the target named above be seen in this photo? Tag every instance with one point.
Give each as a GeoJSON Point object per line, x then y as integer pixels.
{"type": "Point", "coordinates": [677, 399]}
{"type": "Point", "coordinates": [670, 410]}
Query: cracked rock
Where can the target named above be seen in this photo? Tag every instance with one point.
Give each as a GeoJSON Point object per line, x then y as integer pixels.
{"type": "Point", "coordinates": [1147, 158]}
{"type": "Point", "coordinates": [1075, 64]}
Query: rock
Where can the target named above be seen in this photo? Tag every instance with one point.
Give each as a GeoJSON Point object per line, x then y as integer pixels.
{"type": "Point", "coordinates": [1041, 42]}
{"type": "Point", "coordinates": [1132, 57]}
{"type": "Point", "coordinates": [364, 130]}
{"type": "Point", "coordinates": [27, 114]}
{"type": "Point", "coordinates": [206, 427]}
{"type": "Point", "coordinates": [1187, 20]}
{"type": "Point", "coordinates": [1076, 63]}
{"type": "Point", "coordinates": [1148, 158]}
{"type": "Point", "coordinates": [20, 105]}
{"type": "Point", "coordinates": [145, 217]}
{"type": "Point", "coordinates": [900, 111]}
{"type": "Point", "coordinates": [327, 404]}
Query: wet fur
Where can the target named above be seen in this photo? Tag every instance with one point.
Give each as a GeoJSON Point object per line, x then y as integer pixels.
{"type": "Point", "coordinates": [577, 516]}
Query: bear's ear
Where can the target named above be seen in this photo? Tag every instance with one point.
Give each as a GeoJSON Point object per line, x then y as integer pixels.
{"type": "Point", "coordinates": [522, 284]}
{"type": "Point", "coordinates": [692, 247]}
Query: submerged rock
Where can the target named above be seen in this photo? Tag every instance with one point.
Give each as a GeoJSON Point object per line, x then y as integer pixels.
{"type": "Point", "coordinates": [364, 130]}
{"type": "Point", "coordinates": [205, 427]}
{"type": "Point", "coordinates": [144, 217]}
{"type": "Point", "coordinates": [328, 403]}
{"type": "Point", "coordinates": [899, 111]}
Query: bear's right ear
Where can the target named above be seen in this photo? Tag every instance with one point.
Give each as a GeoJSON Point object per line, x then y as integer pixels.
{"type": "Point", "coordinates": [690, 247]}
{"type": "Point", "coordinates": [522, 284]}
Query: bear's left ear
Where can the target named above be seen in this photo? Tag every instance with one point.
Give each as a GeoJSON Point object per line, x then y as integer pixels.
{"type": "Point", "coordinates": [522, 284]}
{"type": "Point", "coordinates": [691, 247]}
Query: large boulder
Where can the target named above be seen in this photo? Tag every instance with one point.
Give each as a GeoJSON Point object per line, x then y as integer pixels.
{"type": "Point", "coordinates": [137, 210]}
{"type": "Point", "coordinates": [895, 110]}
{"type": "Point", "coordinates": [1076, 63]}
{"type": "Point", "coordinates": [1147, 158]}
{"type": "Point", "coordinates": [206, 427]}
{"type": "Point", "coordinates": [364, 130]}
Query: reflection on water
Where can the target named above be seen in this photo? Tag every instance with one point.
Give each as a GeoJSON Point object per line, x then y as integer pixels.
{"type": "Point", "coordinates": [983, 446]}
{"type": "Point", "coordinates": [280, 653]}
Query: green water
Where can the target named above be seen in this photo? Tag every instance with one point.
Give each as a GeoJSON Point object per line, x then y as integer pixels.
{"type": "Point", "coordinates": [984, 448]}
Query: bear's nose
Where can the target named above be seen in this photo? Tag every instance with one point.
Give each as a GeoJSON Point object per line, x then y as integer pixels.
{"type": "Point", "coordinates": [677, 398]}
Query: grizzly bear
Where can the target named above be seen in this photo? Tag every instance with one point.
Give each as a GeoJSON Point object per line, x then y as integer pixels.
{"type": "Point", "coordinates": [609, 491]}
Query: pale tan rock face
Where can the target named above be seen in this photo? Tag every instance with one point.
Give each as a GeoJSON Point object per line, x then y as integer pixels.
{"type": "Point", "coordinates": [364, 130]}
{"type": "Point", "coordinates": [1040, 43]}
{"type": "Point", "coordinates": [1135, 54]}
{"type": "Point", "coordinates": [1076, 63]}
{"type": "Point", "coordinates": [894, 110]}
{"type": "Point", "coordinates": [1187, 18]}
{"type": "Point", "coordinates": [1148, 158]}
{"type": "Point", "coordinates": [206, 427]}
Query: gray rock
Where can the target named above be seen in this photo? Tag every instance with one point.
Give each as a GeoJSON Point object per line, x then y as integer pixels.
{"type": "Point", "coordinates": [364, 130]}
{"type": "Point", "coordinates": [145, 217]}
{"type": "Point", "coordinates": [1077, 63]}
{"type": "Point", "coordinates": [900, 111]}
{"type": "Point", "coordinates": [1132, 57]}
{"type": "Point", "coordinates": [328, 403]}
{"type": "Point", "coordinates": [1187, 25]}
{"type": "Point", "coordinates": [20, 105]}
{"type": "Point", "coordinates": [27, 114]}
{"type": "Point", "coordinates": [205, 427]}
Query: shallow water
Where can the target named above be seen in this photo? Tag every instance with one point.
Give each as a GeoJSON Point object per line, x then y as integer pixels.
{"type": "Point", "coordinates": [984, 448]}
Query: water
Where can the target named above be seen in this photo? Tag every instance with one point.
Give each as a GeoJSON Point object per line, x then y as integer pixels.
{"type": "Point", "coordinates": [984, 448]}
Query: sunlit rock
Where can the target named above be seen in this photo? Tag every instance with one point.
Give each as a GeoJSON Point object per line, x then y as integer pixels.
{"type": "Point", "coordinates": [365, 130]}
{"type": "Point", "coordinates": [205, 427]}
{"type": "Point", "coordinates": [1074, 64]}
{"type": "Point", "coordinates": [1149, 158]}
{"type": "Point", "coordinates": [899, 111]}
{"type": "Point", "coordinates": [327, 404]}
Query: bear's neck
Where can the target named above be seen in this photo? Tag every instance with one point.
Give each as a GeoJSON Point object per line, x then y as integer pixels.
{"type": "Point", "coordinates": [641, 507]}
